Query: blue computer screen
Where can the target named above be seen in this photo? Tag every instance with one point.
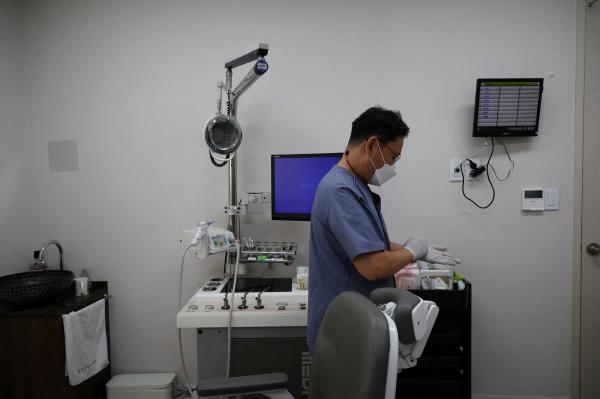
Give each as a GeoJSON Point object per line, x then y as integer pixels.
{"type": "Point", "coordinates": [294, 182]}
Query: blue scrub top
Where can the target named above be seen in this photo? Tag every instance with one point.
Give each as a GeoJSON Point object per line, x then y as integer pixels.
{"type": "Point", "coordinates": [346, 222]}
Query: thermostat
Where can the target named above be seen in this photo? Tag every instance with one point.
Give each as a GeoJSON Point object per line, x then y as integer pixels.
{"type": "Point", "coordinates": [533, 199]}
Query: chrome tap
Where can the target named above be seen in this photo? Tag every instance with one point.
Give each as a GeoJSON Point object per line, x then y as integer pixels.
{"type": "Point", "coordinates": [243, 304]}
{"type": "Point", "coordinates": [43, 249]}
{"type": "Point", "coordinates": [225, 303]}
{"type": "Point", "coordinates": [259, 304]}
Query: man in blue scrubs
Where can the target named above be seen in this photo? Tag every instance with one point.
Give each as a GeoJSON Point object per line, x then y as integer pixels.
{"type": "Point", "coordinates": [349, 245]}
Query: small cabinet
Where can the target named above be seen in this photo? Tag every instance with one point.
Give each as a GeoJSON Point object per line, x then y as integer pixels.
{"type": "Point", "coordinates": [32, 350]}
{"type": "Point", "coordinates": [444, 369]}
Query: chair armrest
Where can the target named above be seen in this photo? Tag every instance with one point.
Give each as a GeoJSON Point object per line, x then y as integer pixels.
{"type": "Point", "coordinates": [244, 384]}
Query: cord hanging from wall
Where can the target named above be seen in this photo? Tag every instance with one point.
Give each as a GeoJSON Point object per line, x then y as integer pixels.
{"type": "Point", "coordinates": [477, 170]}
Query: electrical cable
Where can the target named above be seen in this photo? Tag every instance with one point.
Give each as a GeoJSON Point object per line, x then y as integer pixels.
{"type": "Point", "coordinates": [192, 392]}
{"type": "Point", "coordinates": [478, 151]}
{"type": "Point", "coordinates": [214, 160]}
{"type": "Point", "coordinates": [235, 272]}
{"type": "Point", "coordinates": [510, 159]}
{"type": "Point", "coordinates": [185, 373]}
{"type": "Point", "coordinates": [180, 393]}
{"type": "Point", "coordinates": [487, 172]}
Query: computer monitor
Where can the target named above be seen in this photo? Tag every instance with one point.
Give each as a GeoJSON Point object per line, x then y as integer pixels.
{"type": "Point", "coordinates": [294, 181]}
{"type": "Point", "coordinates": [507, 107]}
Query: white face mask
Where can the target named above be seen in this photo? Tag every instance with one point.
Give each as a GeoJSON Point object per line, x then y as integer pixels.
{"type": "Point", "coordinates": [383, 174]}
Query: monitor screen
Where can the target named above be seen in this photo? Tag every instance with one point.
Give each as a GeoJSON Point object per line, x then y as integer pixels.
{"type": "Point", "coordinates": [294, 181]}
{"type": "Point", "coordinates": [507, 107]}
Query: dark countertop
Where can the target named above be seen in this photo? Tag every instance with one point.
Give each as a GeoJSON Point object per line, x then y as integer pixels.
{"type": "Point", "coordinates": [66, 304]}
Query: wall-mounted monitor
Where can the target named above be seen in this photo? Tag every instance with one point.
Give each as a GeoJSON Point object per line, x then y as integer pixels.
{"type": "Point", "coordinates": [294, 181]}
{"type": "Point", "coordinates": [507, 107]}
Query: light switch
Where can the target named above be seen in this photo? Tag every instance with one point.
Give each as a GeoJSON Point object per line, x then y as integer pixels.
{"type": "Point", "coordinates": [551, 199]}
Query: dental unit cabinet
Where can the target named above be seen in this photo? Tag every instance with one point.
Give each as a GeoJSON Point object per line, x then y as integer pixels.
{"type": "Point", "coordinates": [268, 329]}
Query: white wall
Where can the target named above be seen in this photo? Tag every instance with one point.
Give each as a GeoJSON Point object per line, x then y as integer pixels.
{"type": "Point", "coordinates": [133, 82]}
{"type": "Point", "coordinates": [13, 246]}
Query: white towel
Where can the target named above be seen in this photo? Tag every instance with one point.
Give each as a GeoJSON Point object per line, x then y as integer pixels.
{"type": "Point", "coordinates": [85, 342]}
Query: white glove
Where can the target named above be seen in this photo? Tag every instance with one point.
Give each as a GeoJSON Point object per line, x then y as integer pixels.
{"type": "Point", "coordinates": [438, 254]}
{"type": "Point", "coordinates": [417, 246]}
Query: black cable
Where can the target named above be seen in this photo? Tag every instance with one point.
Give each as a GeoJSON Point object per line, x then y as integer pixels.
{"type": "Point", "coordinates": [511, 161]}
{"type": "Point", "coordinates": [179, 392]}
{"type": "Point", "coordinates": [487, 172]}
{"type": "Point", "coordinates": [214, 161]}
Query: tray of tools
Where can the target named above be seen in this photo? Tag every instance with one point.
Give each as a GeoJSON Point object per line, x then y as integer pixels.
{"type": "Point", "coordinates": [268, 251]}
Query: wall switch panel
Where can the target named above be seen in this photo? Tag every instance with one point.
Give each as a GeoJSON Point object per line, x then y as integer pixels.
{"type": "Point", "coordinates": [551, 199]}
{"type": "Point", "coordinates": [256, 198]}
{"type": "Point", "coordinates": [540, 199]}
{"type": "Point", "coordinates": [266, 197]}
{"type": "Point", "coordinates": [532, 199]}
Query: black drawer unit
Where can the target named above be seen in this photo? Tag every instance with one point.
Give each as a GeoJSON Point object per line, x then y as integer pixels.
{"type": "Point", "coordinates": [444, 369]}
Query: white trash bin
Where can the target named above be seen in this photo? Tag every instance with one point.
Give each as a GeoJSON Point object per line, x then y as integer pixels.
{"type": "Point", "coordinates": [141, 386]}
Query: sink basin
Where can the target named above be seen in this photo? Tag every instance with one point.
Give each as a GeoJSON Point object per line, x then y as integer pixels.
{"type": "Point", "coordinates": [35, 286]}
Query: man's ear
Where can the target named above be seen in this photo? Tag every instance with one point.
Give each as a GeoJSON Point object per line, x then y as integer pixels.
{"type": "Point", "coordinates": [370, 142]}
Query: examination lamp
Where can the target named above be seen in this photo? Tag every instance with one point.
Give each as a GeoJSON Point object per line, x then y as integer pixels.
{"type": "Point", "coordinates": [223, 134]}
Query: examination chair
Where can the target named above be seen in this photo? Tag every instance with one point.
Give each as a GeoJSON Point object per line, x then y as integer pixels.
{"type": "Point", "coordinates": [361, 346]}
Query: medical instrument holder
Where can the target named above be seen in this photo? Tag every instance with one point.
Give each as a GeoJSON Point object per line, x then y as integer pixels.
{"type": "Point", "coordinates": [269, 252]}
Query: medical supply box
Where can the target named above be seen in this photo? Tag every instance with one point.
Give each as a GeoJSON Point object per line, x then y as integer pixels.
{"type": "Point", "coordinates": [141, 386]}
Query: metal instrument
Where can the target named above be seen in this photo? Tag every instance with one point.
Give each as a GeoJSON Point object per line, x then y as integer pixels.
{"type": "Point", "coordinates": [223, 133]}
{"type": "Point", "coordinates": [268, 252]}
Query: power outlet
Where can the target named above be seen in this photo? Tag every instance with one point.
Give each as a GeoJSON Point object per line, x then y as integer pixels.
{"type": "Point", "coordinates": [254, 198]}
{"type": "Point", "coordinates": [454, 169]}
{"type": "Point", "coordinates": [266, 197]}
{"type": "Point", "coordinates": [257, 198]}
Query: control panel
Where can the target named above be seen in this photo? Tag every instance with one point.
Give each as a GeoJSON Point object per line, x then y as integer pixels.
{"type": "Point", "coordinates": [257, 303]}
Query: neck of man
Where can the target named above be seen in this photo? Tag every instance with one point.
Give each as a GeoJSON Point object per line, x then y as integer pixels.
{"type": "Point", "coordinates": [352, 163]}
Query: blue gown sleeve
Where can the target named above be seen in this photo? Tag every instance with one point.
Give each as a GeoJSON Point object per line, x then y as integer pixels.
{"type": "Point", "coordinates": [352, 224]}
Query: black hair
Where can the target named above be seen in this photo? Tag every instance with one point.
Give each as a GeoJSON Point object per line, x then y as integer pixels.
{"type": "Point", "coordinates": [384, 123]}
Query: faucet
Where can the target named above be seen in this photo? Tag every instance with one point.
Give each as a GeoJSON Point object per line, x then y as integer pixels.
{"type": "Point", "coordinates": [43, 249]}
{"type": "Point", "coordinates": [259, 304]}
{"type": "Point", "coordinates": [243, 304]}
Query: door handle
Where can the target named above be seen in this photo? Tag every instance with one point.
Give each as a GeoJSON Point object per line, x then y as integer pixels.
{"type": "Point", "coordinates": [593, 249]}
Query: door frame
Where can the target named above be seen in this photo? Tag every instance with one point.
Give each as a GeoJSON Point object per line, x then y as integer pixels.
{"type": "Point", "coordinates": [578, 200]}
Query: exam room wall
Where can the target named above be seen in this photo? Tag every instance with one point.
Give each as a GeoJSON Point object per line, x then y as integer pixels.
{"type": "Point", "coordinates": [14, 255]}
{"type": "Point", "coordinates": [133, 82]}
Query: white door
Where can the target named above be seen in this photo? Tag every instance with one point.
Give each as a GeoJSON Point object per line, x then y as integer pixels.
{"type": "Point", "coordinates": [590, 273]}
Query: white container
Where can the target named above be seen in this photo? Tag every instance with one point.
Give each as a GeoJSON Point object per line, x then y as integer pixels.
{"type": "Point", "coordinates": [302, 277]}
{"type": "Point", "coordinates": [141, 386]}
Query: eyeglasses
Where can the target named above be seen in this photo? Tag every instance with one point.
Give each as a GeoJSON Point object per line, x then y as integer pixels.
{"type": "Point", "coordinates": [395, 156]}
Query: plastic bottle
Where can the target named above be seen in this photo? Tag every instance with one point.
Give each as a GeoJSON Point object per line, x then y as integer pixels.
{"type": "Point", "coordinates": [84, 273]}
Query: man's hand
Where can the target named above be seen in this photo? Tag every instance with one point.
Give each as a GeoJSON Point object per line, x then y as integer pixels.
{"type": "Point", "coordinates": [417, 246]}
{"type": "Point", "coordinates": [421, 250]}
{"type": "Point", "coordinates": [439, 254]}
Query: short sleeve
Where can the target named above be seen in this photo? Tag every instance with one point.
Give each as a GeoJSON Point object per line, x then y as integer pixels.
{"type": "Point", "coordinates": [352, 224]}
